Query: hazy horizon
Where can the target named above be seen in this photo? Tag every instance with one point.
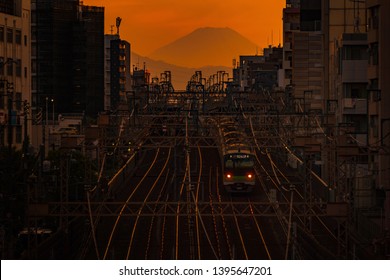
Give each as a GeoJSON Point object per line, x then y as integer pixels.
{"type": "Point", "coordinates": [151, 25]}
{"type": "Point", "coordinates": [206, 46]}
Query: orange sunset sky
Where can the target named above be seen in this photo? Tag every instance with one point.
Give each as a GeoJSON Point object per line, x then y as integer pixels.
{"type": "Point", "coordinates": [151, 24]}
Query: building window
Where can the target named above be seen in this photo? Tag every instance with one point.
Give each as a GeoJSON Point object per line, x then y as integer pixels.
{"type": "Point", "coordinates": [25, 40]}
{"type": "Point", "coordinates": [19, 134]}
{"type": "Point", "coordinates": [33, 66]}
{"type": "Point", "coordinates": [373, 20]}
{"type": "Point", "coordinates": [374, 54]}
{"type": "Point", "coordinates": [2, 137]}
{"type": "Point", "coordinates": [374, 83]}
{"type": "Point", "coordinates": [25, 72]}
{"type": "Point", "coordinates": [18, 37]}
{"type": "Point", "coordinates": [33, 16]}
{"type": "Point", "coordinates": [374, 91]}
{"type": "Point", "coordinates": [356, 90]}
{"type": "Point", "coordinates": [34, 83]}
{"type": "Point", "coordinates": [1, 33]}
{"type": "Point", "coordinates": [18, 101]}
{"type": "Point", "coordinates": [18, 68]}
{"type": "Point", "coordinates": [355, 53]}
{"type": "Point", "coordinates": [10, 68]}
{"type": "Point", "coordinates": [10, 35]}
{"type": "Point", "coordinates": [359, 122]}
{"type": "Point", "coordinates": [2, 95]}
{"type": "Point", "coordinates": [374, 126]}
{"type": "Point", "coordinates": [2, 61]}
{"type": "Point", "coordinates": [33, 33]}
{"type": "Point", "coordinates": [33, 49]}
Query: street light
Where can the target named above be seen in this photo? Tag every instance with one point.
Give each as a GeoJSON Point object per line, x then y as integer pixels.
{"type": "Point", "coordinates": [52, 102]}
{"type": "Point", "coordinates": [44, 130]}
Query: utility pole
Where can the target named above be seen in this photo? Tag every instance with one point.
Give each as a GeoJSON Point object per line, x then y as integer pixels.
{"type": "Point", "coordinates": [52, 102]}
{"type": "Point", "coordinates": [45, 134]}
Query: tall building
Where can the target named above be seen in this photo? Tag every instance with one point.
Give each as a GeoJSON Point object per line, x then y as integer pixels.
{"type": "Point", "coordinates": [310, 50]}
{"type": "Point", "coordinates": [338, 18]}
{"type": "Point", "coordinates": [378, 23]}
{"type": "Point", "coordinates": [307, 46]}
{"type": "Point", "coordinates": [307, 68]}
{"type": "Point", "coordinates": [259, 71]}
{"type": "Point", "coordinates": [117, 74]}
{"type": "Point", "coordinates": [15, 64]}
{"type": "Point", "coordinates": [344, 98]}
{"type": "Point", "coordinates": [88, 64]}
{"type": "Point", "coordinates": [291, 23]}
{"type": "Point", "coordinates": [67, 57]}
{"type": "Point", "coordinates": [339, 65]}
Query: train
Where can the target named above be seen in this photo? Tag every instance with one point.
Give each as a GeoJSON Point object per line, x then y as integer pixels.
{"type": "Point", "coordinates": [238, 160]}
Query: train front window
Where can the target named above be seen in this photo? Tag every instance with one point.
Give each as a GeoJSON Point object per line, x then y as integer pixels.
{"type": "Point", "coordinates": [229, 163]}
{"type": "Point", "coordinates": [244, 163]}
{"type": "Point", "coordinates": [238, 161]}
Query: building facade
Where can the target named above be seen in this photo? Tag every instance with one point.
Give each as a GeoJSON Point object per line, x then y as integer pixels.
{"type": "Point", "coordinates": [339, 65]}
{"type": "Point", "coordinates": [67, 57]}
{"type": "Point", "coordinates": [351, 129]}
{"type": "Point", "coordinates": [259, 71]}
{"type": "Point", "coordinates": [378, 23]}
{"type": "Point", "coordinates": [88, 56]}
{"type": "Point", "coordinates": [117, 74]}
{"type": "Point", "coordinates": [291, 19]}
{"type": "Point", "coordinates": [15, 65]}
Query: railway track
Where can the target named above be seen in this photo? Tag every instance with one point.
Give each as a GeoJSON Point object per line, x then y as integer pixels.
{"type": "Point", "coordinates": [188, 176]}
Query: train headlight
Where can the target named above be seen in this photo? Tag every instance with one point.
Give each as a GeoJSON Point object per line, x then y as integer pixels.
{"type": "Point", "coordinates": [229, 176]}
{"type": "Point", "coordinates": [250, 176]}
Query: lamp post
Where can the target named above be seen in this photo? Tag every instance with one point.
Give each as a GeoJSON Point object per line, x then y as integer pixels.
{"type": "Point", "coordinates": [52, 102]}
{"type": "Point", "coordinates": [46, 138]}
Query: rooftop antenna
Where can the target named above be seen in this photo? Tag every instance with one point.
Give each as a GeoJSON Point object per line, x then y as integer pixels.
{"type": "Point", "coordinates": [118, 23]}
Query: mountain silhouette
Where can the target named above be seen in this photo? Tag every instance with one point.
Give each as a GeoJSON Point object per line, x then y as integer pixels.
{"type": "Point", "coordinates": [206, 46]}
{"type": "Point", "coordinates": [180, 75]}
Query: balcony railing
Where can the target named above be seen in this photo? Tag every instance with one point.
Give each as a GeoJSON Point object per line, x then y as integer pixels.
{"type": "Point", "coordinates": [354, 106]}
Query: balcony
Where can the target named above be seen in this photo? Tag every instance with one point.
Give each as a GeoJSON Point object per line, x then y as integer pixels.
{"type": "Point", "coordinates": [354, 106]}
{"type": "Point", "coordinates": [354, 71]}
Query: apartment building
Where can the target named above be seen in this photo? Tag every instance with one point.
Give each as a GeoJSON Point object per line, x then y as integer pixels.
{"type": "Point", "coordinates": [117, 76]}
{"type": "Point", "coordinates": [378, 23]}
{"type": "Point", "coordinates": [67, 57]}
{"type": "Point", "coordinates": [15, 89]}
